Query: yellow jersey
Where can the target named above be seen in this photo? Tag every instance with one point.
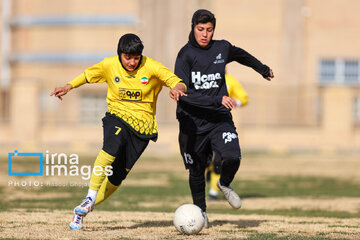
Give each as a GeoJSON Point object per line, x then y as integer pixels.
{"type": "Point", "coordinates": [236, 90]}
{"type": "Point", "coordinates": [131, 96]}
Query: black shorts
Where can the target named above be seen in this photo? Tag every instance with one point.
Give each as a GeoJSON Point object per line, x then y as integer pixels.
{"type": "Point", "coordinates": [121, 143]}
{"type": "Point", "coordinates": [197, 149]}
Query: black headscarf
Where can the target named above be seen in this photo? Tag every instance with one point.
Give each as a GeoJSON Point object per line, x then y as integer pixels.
{"type": "Point", "coordinates": [198, 15]}
{"type": "Point", "coordinates": [130, 44]}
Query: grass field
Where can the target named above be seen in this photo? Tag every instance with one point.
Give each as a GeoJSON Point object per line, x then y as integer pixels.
{"type": "Point", "coordinates": [300, 196]}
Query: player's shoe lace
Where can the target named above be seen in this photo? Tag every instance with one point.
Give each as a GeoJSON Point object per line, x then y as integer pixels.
{"type": "Point", "coordinates": [206, 223]}
{"type": "Point", "coordinates": [77, 221]}
{"type": "Point", "coordinates": [230, 195]}
{"type": "Point", "coordinates": [85, 207]}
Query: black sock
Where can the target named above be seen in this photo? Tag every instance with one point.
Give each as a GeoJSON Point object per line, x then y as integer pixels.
{"type": "Point", "coordinates": [228, 170]}
{"type": "Point", "coordinates": [197, 187]}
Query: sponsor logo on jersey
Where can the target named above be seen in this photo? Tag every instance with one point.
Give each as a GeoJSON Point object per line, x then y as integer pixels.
{"type": "Point", "coordinates": [228, 136]}
{"type": "Point", "coordinates": [130, 94]}
{"type": "Point", "coordinates": [117, 79]}
{"type": "Point", "coordinates": [219, 59]}
{"type": "Point", "coordinates": [205, 81]}
{"type": "Point", "coordinates": [144, 80]}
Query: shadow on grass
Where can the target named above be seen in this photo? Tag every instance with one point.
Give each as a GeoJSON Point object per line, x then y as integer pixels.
{"type": "Point", "coordinates": [152, 224]}
{"type": "Point", "coordinates": [238, 223]}
{"type": "Point", "coordinates": [253, 195]}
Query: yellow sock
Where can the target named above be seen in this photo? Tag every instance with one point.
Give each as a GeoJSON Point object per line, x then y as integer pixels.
{"type": "Point", "coordinates": [214, 178]}
{"type": "Point", "coordinates": [106, 189]}
{"type": "Point", "coordinates": [103, 159]}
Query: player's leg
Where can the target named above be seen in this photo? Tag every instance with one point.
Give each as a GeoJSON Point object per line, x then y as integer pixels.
{"type": "Point", "coordinates": [87, 205]}
{"type": "Point", "coordinates": [191, 148]}
{"type": "Point", "coordinates": [197, 186]}
{"type": "Point", "coordinates": [112, 182]}
{"type": "Point", "coordinates": [224, 140]}
{"type": "Point", "coordinates": [122, 165]}
{"type": "Point", "coordinates": [111, 144]}
{"type": "Point", "coordinates": [209, 168]}
{"type": "Point", "coordinates": [227, 175]}
{"type": "Point", "coordinates": [113, 138]}
{"type": "Point", "coordinates": [105, 191]}
{"type": "Point", "coordinates": [215, 176]}
{"type": "Point", "coordinates": [76, 222]}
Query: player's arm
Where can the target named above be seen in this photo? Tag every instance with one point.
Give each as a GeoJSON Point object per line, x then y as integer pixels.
{"type": "Point", "coordinates": [61, 91]}
{"type": "Point", "coordinates": [169, 79]}
{"type": "Point", "coordinates": [93, 74]}
{"type": "Point", "coordinates": [236, 91]}
{"type": "Point", "coordinates": [241, 103]}
{"type": "Point", "coordinates": [240, 97]}
{"type": "Point", "coordinates": [245, 58]}
{"type": "Point", "coordinates": [182, 70]}
{"type": "Point", "coordinates": [178, 91]}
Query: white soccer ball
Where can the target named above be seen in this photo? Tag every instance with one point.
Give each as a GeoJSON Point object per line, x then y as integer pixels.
{"type": "Point", "coordinates": [188, 219]}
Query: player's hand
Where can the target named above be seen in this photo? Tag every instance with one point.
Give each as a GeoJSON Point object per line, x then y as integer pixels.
{"type": "Point", "coordinates": [176, 93]}
{"type": "Point", "coordinates": [271, 75]}
{"type": "Point", "coordinates": [228, 102]}
{"type": "Point", "coordinates": [61, 91]}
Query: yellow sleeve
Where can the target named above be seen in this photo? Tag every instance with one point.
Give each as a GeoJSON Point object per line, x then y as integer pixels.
{"type": "Point", "coordinates": [93, 74]}
{"type": "Point", "coordinates": [236, 90]}
{"type": "Point", "coordinates": [166, 75]}
{"type": "Point", "coordinates": [78, 81]}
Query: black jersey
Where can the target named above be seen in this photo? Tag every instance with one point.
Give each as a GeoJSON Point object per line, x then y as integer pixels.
{"type": "Point", "coordinates": [203, 72]}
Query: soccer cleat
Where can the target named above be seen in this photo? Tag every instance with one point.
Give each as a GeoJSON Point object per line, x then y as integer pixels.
{"type": "Point", "coordinates": [230, 195]}
{"type": "Point", "coordinates": [85, 207]}
{"type": "Point", "coordinates": [206, 223]}
{"type": "Point", "coordinates": [77, 221]}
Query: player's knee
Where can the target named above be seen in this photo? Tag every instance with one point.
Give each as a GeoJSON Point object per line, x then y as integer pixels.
{"type": "Point", "coordinates": [231, 158]}
{"type": "Point", "coordinates": [110, 149]}
{"type": "Point", "coordinates": [231, 155]}
{"type": "Point", "coordinates": [117, 177]}
{"type": "Point", "coordinates": [115, 181]}
{"type": "Point", "coordinates": [232, 161]}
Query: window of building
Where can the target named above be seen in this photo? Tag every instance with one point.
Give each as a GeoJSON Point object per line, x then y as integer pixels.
{"type": "Point", "coordinates": [339, 72]}
{"type": "Point", "coordinates": [351, 71]}
{"type": "Point", "coordinates": [92, 108]}
{"type": "Point", "coordinates": [327, 71]}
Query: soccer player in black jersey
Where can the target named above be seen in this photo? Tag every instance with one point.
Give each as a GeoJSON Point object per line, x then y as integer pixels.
{"type": "Point", "coordinates": [204, 116]}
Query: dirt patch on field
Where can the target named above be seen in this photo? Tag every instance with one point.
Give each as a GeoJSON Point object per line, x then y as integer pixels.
{"type": "Point", "coordinates": [22, 195]}
{"type": "Point", "coordinates": [156, 225]}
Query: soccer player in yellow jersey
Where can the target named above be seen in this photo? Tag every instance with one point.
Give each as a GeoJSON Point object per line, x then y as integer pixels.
{"type": "Point", "coordinates": [238, 93]}
{"type": "Point", "coordinates": [134, 82]}
{"type": "Point", "coordinates": [236, 90]}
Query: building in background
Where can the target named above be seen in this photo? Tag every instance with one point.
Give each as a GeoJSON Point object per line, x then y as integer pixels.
{"type": "Point", "coordinates": [313, 102]}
